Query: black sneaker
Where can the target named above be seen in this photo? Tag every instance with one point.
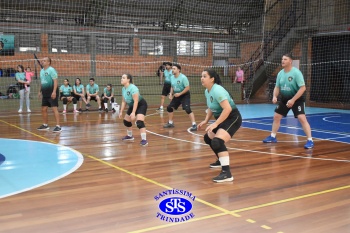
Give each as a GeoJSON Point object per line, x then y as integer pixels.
{"type": "Point", "coordinates": [169, 125]}
{"type": "Point", "coordinates": [223, 177]}
{"type": "Point", "coordinates": [106, 109]}
{"type": "Point", "coordinates": [43, 127]}
{"type": "Point", "coordinates": [57, 129]}
{"type": "Point", "coordinates": [80, 110]}
{"type": "Point", "coordinates": [100, 110]}
{"type": "Point", "coordinates": [88, 105]}
{"type": "Point", "coordinates": [216, 164]}
{"type": "Point", "coordinates": [193, 128]}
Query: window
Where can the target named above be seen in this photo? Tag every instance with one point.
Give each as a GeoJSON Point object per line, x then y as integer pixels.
{"type": "Point", "coordinates": [28, 42]}
{"type": "Point", "coordinates": [155, 47]}
{"type": "Point", "coordinates": [68, 44]}
{"type": "Point", "coordinates": [191, 48]}
{"type": "Point", "coordinates": [226, 49]}
{"type": "Point", "coordinates": [114, 45]}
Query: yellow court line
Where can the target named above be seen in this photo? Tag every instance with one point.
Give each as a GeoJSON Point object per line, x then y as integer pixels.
{"type": "Point", "coordinates": [37, 135]}
{"type": "Point", "coordinates": [224, 211]}
{"type": "Point", "coordinates": [290, 199]}
{"type": "Point", "coordinates": [178, 223]}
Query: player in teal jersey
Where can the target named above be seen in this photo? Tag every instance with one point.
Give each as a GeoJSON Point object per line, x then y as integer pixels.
{"type": "Point", "coordinates": [79, 92]}
{"type": "Point", "coordinates": [167, 84]}
{"type": "Point", "coordinates": [137, 109]}
{"type": "Point", "coordinates": [290, 83]}
{"type": "Point", "coordinates": [227, 121]}
{"type": "Point", "coordinates": [66, 96]}
{"type": "Point", "coordinates": [108, 95]}
{"type": "Point", "coordinates": [179, 95]}
{"type": "Point", "coordinates": [49, 92]}
{"type": "Point", "coordinates": [92, 90]}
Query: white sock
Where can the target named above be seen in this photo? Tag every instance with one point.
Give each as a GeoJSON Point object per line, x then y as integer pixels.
{"type": "Point", "coordinates": [129, 132]}
{"type": "Point", "coordinates": [273, 135]}
{"type": "Point", "coordinates": [171, 122]}
{"type": "Point", "coordinates": [194, 123]}
{"type": "Point", "coordinates": [309, 139]}
{"type": "Point", "coordinates": [225, 160]}
{"type": "Point", "coordinates": [143, 136]}
{"type": "Point", "coordinates": [75, 106]}
{"type": "Point", "coordinates": [64, 107]}
{"type": "Point", "coordinates": [161, 107]}
{"type": "Point", "coordinates": [106, 105]}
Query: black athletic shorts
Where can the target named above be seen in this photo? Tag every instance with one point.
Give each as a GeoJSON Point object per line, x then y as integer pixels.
{"type": "Point", "coordinates": [298, 107]}
{"type": "Point", "coordinates": [77, 97]}
{"type": "Point", "coordinates": [49, 102]}
{"type": "Point", "coordinates": [184, 100]}
{"type": "Point", "coordinates": [166, 89]}
{"type": "Point", "coordinates": [232, 123]}
{"type": "Point", "coordinates": [141, 108]}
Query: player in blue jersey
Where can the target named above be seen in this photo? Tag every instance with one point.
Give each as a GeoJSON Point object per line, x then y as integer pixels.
{"type": "Point", "coordinates": [79, 92]}
{"type": "Point", "coordinates": [290, 83]}
{"type": "Point", "coordinates": [167, 84]}
{"type": "Point", "coordinates": [179, 95]}
{"type": "Point", "coordinates": [66, 95]}
{"type": "Point", "coordinates": [137, 109]}
{"type": "Point", "coordinates": [227, 121]}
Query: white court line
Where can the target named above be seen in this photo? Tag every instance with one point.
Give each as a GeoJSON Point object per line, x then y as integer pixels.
{"type": "Point", "coordinates": [252, 151]}
{"type": "Point", "coordinates": [335, 122]}
{"type": "Point", "coordinates": [286, 126]}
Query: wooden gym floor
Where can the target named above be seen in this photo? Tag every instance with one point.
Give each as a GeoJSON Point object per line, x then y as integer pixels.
{"type": "Point", "coordinates": [277, 187]}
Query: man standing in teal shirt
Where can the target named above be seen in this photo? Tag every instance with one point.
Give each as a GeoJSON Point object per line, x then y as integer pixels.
{"type": "Point", "coordinates": [179, 95]}
{"type": "Point", "coordinates": [49, 92]}
{"type": "Point", "coordinates": [290, 83]}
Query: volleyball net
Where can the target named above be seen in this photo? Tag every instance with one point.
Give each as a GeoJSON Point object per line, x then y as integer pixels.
{"type": "Point", "coordinates": [105, 39]}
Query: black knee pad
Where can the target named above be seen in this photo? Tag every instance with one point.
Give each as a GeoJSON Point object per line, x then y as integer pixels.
{"type": "Point", "coordinates": [105, 100]}
{"type": "Point", "coordinates": [169, 109]}
{"type": "Point", "coordinates": [188, 109]}
{"type": "Point", "coordinates": [74, 100]}
{"type": "Point", "coordinates": [218, 145]}
{"type": "Point", "coordinates": [127, 123]}
{"type": "Point", "coordinates": [65, 100]}
{"type": "Point", "coordinates": [207, 139]}
{"type": "Point", "coordinates": [112, 100]}
{"type": "Point", "coordinates": [140, 124]}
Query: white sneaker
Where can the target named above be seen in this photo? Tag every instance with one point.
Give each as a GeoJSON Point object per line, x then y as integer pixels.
{"type": "Point", "coordinates": [64, 111]}
{"type": "Point", "coordinates": [28, 110]}
{"type": "Point", "coordinates": [20, 110]}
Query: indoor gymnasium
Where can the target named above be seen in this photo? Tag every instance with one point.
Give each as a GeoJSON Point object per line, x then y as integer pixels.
{"type": "Point", "coordinates": [174, 116]}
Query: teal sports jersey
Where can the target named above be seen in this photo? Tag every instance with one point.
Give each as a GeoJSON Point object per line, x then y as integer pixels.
{"type": "Point", "coordinates": [108, 92]}
{"type": "Point", "coordinates": [216, 95]}
{"type": "Point", "coordinates": [20, 76]}
{"type": "Point", "coordinates": [167, 75]}
{"type": "Point", "coordinates": [290, 83]}
{"type": "Point", "coordinates": [78, 89]}
{"type": "Point", "coordinates": [66, 90]}
{"type": "Point", "coordinates": [92, 89]}
{"type": "Point", "coordinates": [47, 81]}
{"type": "Point", "coordinates": [129, 92]}
{"type": "Point", "coordinates": [180, 83]}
